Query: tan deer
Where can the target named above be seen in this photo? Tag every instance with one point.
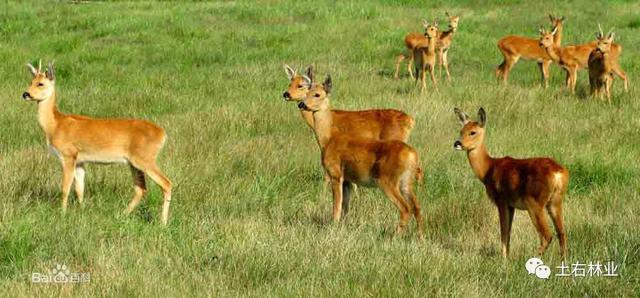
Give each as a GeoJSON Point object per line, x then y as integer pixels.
{"type": "Point", "coordinates": [413, 39]}
{"type": "Point", "coordinates": [575, 57]}
{"type": "Point", "coordinates": [445, 39]}
{"type": "Point", "coordinates": [391, 165]}
{"type": "Point", "coordinates": [425, 55]}
{"type": "Point", "coordinates": [379, 124]}
{"type": "Point", "coordinates": [515, 47]}
{"type": "Point", "coordinates": [77, 140]}
{"type": "Point", "coordinates": [532, 184]}
{"type": "Point", "coordinates": [601, 66]}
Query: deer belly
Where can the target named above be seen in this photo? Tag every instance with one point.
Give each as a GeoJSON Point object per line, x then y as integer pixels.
{"type": "Point", "coordinates": [101, 158]}
{"type": "Point", "coordinates": [518, 203]}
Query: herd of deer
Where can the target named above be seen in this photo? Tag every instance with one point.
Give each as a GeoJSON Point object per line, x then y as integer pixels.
{"type": "Point", "coordinates": [600, 57]}
{"type": "Point", "coordinates": [367, 148]}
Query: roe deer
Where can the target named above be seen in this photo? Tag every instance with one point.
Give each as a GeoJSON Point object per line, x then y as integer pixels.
{"type": "Point", "coordinates": [601, 66]}
{"type": "Point", "coordinates": [531, 184]}
{"type": "Point", "coordinates": [445, 38]}
{"type": "Point", "coordinates": [383, 124]}
{"type": "Point", "coordinates": [391, 165]}
{"type": "Point", "coordinates": [575, 57]}
{"type": "Point", "coordinates": [77, 140]}
{"type": "Point", "coordinates": [413, 39]}
{"type": "Point", "coordinates": [515, 47]}
{"type": "Point", "coordinates": [425, 55]}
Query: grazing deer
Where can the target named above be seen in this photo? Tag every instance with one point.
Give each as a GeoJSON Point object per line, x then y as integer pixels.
{"type": "Point", "coordinates": [77, 140]}
{"type": "Point", "coordinates": [576, 57]}
{"type": "Point", "coordinates": [389, 164]}
{"type": "Point", "coordinates": [425, 55]}
{"type": "Point", "coordinates": [600, 65]}
{"type": "Point", "coordinates": [515, 47]}
{"type": "Point", "coordinates": [532, 184]}
{"type": "Point", "coordinates": [383, 124]}
{"type": "Point", "coordinates": [445, 38]}
{"type": "Point", "coordinates": [413, 39]}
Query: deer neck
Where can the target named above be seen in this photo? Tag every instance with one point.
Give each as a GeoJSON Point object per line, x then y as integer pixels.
{"type": "Point", "coordinates": [555, 52]}
{"type": "Point", "coordinates": [322, 123]}
{"type": "Point", "coordinates": [557, 38]}
{"type": "Point", "coordinates": [47, 114]}
{"type": "Point", "coordinates": [308, 117]}
{"type": "Point", "coordinates": [431, 44]}
{"type": "Point", "coordinates": [480, 161]}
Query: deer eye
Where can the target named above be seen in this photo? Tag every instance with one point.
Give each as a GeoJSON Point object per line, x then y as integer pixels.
{"type": "Point", "coordinates": [300, 86]}
{"type": "Point", "coordinates": [40, 84]}
{"type": "Point", "coordinates": [317, 95]}
{"type": "Point", "coordinates": [473, 133]}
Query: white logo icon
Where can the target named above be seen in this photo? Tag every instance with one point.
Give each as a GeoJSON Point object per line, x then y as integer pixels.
{"type": "Point", "coordinates": [532, 264]}
{"type": "Point", "coordinates": [543, 271]}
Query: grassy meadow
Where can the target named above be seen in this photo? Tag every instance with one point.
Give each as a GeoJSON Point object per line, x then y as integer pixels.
{"type": "Point", "coordinates": [249, 216]}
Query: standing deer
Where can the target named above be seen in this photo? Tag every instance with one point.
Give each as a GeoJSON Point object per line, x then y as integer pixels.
{"type": "Point", "coordinates": [532, 184]}
{"type": "Point", "coordinates": [413, 39]}
{"type": "Point", "coordinates": [425, 55]}
{"type": "Point", "coordinates": [382, 124]}
{"type": "Point", "coordinates": [601, 66]}
{"type": "Point", "coordinates": [391, 165]}
{"type": "Point", "coordinates": [515, 47]}
{"type": "Point", "coordinates": [445, 38]}
{"type": "Point", "coordinates": [77, 140]}
{"type": "Point", "coordinates": [576, 57]}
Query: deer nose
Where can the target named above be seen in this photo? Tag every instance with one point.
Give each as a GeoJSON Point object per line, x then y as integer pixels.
{"type": "Point", "coordinates": [286, 95]}
{"type": "Point", "coordinates": [302, 106]}
{"type": "Point", "coordinates": [26, 95]}
{"type": "Point", "coordinates": [457, 145]}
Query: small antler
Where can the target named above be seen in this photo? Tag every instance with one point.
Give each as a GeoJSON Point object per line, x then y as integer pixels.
{"type": "Point", "coordinates": [599, 34]}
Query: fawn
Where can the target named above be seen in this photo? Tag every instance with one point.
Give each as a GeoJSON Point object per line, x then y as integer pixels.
{"type": "Point", "coordinates": [391, 165]}
{"type": "Point", "coordinates": [532, 184]}
{"type": "Point", "coordinates": [77, 140]}
{"type": "Point", "coordinates": [515, 47]}
{"type": "Point", "coordinates": [573, 58]}
{"type": "Point", "coordinates": [425, 55]}
{"type": "Point", "coordinates": [601, 66]}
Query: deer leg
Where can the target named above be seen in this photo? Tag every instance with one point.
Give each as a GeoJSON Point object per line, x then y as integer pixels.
{"type": "Point", "coordinates": [433, 77]}
{"type": "Point", "coordinates": [336, 185]}
{"type": "Point", "coordinates": [79, 182]}
{"type": "Point", "coordinates": [619, 72]}
{"type": "Point", "coordinates": [346, 196]}
{"type": "Point", "coordinates": [574, 79]}
{"type": "Point", "coordinates": [505, 214]}
{"type": "Point", "coordinates": [445, 62]}
{"type": "Point", "coordinates": [507, 67]}
{"type": "Point", "coordinates": [159, 178]}
{"type": "Point", "coordinates": [68, 171]}
{"type": "Point", "coordinates": [440, 61]}
{"type": "Point", "coordinates": [555, 212]}
{"type": "Point", "coordinates": [540, 222]}
{"type": "Point", "coordinates": [410, 196]}
{"type": "Point", "coordinates": [139, 187]}
{"type": "Point", "coordinates": [399, 60]}
{"type": "Point", "coordinates": [544, 69]}
{"type": "Point", "coordinates": [423, 76]}
{"type": "Point", "coordinates": [393, 193]}
{"type": "Point", "coordinates": [411, 63]}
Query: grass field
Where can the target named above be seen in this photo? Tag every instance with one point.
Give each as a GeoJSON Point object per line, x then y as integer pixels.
{"type": "Point", "coordinates": [249, 217]}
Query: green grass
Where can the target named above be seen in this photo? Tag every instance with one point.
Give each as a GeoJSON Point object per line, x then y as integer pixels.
{"type": "Point", "coordinates": [248, 215]}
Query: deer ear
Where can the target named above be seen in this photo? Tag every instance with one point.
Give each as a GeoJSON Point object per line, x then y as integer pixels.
{"type": "Point", "coordinates": [554, 31]}
{"type": "Point", "coordinates": [290, 72]}
{"type": "Point", "coordinates": [541, 30]}
{"type": "Point", "coordinates": [611, 36]}
{"type": "Point", "coordinates": [307, 81]}
{"type": "Point", "coordinates": [462, 117]}
{"type": "Point", "coordinates": [446, 13]}
{"type": "Point", "coordinates": [551, 17]}
{"type": "Point", "coordinates": [310, 72]}
{"type": "Point", "coordinates": [51, 72]}
{"type": "Point", "coordinates": [482, 117]}
{"type": "Point", "coordinates": [562, 18]}
{"type": "Point", "coordinates": [32, 69]}
{"type": "Point", "coordinates": [425, 24]}
{"type": "Point", "coordinates": [327, 84]}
